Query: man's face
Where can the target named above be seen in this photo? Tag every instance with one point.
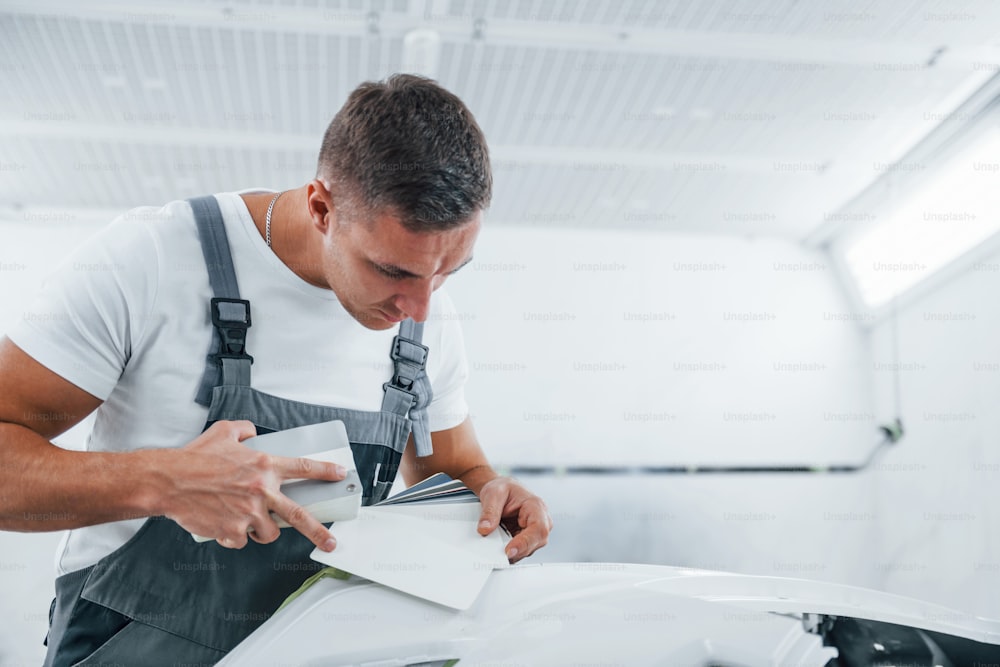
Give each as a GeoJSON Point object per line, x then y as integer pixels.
{"type": "Point", "coordinates": [383, 273]}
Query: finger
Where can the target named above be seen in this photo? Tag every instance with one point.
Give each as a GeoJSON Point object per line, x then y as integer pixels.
{"type": "Point", "coordinates": [527, 542]}
{"type": "Point", "coordinates": [239, 430]}
{"type": "Point", "coordinates": [264, 531]}
{"type": "Point", "coordinates": [244, 429]}
{"type": "Point", "coordinates": [534, 535]}
{"type": "Point", "coordinates": [233, 542]}
{"type": "Point", "coordinates": [493, 497]}
{"type": "Point", "coordinates": [295, 468]}
{"type": "Point", "coordinates": [299, 519]}
{"type": "Point", "coordinates": [534, 512]}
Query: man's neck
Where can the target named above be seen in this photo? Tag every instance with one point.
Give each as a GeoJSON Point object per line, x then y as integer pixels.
{"type": "Point", "coordinates": [293, 238]}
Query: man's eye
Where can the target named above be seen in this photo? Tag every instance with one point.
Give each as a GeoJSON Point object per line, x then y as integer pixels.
{"type": "Point", "coordinates": [388, 272]}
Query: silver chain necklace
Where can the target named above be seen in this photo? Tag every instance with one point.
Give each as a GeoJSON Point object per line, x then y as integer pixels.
{"type": "Point", "coordinates": [267, 220]}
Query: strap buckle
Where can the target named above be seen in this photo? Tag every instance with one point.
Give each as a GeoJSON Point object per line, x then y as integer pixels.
{"type": "Point", "coordinates": [390, 387]}
{"type": "Point", "coordinates": [231, 318]}
{"type": "Point", "coordinates": [409, 359]}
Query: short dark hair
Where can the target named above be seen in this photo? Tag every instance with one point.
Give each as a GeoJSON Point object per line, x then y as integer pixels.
{"type": "Point", "coordinates": [408, 144]}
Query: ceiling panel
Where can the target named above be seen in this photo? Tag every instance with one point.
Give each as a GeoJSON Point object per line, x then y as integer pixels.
{"type": "Point", "coordinates": [731, 117]}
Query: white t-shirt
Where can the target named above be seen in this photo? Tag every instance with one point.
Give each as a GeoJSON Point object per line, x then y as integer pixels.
{"type": "Point", "coordinates": [125, 318]}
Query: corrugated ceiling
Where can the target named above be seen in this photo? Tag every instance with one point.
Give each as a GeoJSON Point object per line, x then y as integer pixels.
{"type": "Point", "coordinates": [737, 117]}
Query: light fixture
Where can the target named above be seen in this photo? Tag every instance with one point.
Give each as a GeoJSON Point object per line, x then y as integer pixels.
{"type": "Point", "coordinates": [953, 210]}
{"type": "Point", "coordinates": [422, 52]}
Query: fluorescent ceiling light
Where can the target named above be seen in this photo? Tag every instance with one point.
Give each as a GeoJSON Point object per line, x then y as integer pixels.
{"type": "Point", "coordinates": [421, 52]}
{"type": "Point", "coordinates": [949, 213]}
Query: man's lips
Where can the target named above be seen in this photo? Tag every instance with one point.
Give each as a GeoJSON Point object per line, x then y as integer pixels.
{"type": "Point", "coordinates": [391, 318]}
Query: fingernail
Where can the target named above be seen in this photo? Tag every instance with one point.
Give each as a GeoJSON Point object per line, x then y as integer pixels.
{"type": "Point", "coordinates": [329, 545]}
{"type": "Point", "coordinates": [511, 553]}
{"type": "Point", "coordinates": [340, 470]}
{"type": "Point", "coordinates": [485, 523]}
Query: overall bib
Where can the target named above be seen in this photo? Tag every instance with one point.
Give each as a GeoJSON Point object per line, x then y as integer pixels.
{"type": "Point", "coordinates": [163, 598]}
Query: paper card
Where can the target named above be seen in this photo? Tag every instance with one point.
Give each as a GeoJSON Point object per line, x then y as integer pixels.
{"type": "Point", "coordinates": [433, 480]}
{"type": "Point", "coordinates": [326, 501]}
{"type": "Point", "coordinates": [468, 512]}
{"type": "Point", "coordinates": [424, 489]}
{"type": "Point", "coordinates": [326, 441]}
{"type": "Point", "coordinates": [460, 495]}
{"type": "Point", "coordinates": [444, 561]}
{"type": "Point", "coordinates": [304, 440]}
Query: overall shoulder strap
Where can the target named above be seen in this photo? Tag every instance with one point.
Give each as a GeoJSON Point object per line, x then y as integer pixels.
{"type": "Point", "coordinates": [409, 392]}
{"type": "Point", "coordinates": [228, 362]}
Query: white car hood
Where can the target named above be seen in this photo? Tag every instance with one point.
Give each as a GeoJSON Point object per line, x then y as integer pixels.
{"type": "Point", "coordinates": [609, 614]}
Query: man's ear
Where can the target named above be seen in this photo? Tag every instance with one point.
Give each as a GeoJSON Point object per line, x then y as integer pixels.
{"type": "Point", "coordinates": [320, 202]}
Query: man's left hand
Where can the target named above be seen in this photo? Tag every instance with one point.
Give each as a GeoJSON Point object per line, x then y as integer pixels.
{"type": "Point", "coordinates": [520, 511]}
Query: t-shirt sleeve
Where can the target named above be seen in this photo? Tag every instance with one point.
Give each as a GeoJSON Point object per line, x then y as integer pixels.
{"type": "Point", "coordinates": [92, 309]}
{"type": "Point", "coordinates": [449, 371]}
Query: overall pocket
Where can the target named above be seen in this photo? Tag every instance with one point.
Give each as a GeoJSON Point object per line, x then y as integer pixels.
{"type": "Point", "coordinates": [78, 627]}
{"type": "Point", "coordinates": [141, 644]}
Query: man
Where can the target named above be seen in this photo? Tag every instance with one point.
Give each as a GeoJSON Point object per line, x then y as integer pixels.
{"type": "Point", "coordinates": [150, 324]}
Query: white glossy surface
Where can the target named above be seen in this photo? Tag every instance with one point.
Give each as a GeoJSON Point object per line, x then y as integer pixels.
{"type": "Point", "coordinates": [586, 613]}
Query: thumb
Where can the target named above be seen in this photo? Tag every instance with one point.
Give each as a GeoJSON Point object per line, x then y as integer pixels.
{"type": "Point", "coordinates": [239, 429]}
{"type": "Point", "coordinates": [492, 498]}
{"type": "Point", "coordinates": [243, 429]}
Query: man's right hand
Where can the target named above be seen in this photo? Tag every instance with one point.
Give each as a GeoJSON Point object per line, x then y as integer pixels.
{"type": "Point", "coordinates": [214, 486]}
{"type": "Point", "coordinates": [217, 487]}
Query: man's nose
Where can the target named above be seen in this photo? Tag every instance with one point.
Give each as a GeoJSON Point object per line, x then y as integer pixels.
{"type": "Point", "coordinates": [416, 301]}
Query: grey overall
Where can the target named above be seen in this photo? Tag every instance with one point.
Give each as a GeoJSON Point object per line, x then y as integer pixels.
{"type": "Point", "coordinates": [162, 598]}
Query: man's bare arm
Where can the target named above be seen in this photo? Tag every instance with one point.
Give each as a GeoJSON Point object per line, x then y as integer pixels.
{"type": "Point", "coordinates": [456, 453]}
{"type": "Point", "coordinates": [43, 486]}
{"type": "Point", "coordinates": [213, 486]}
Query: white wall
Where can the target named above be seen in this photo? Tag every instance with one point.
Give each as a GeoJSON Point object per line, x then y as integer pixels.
{"type": "Point", "coordinates": [661, 350]}
{"type": "Point", "coordinates": [942, 502]}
